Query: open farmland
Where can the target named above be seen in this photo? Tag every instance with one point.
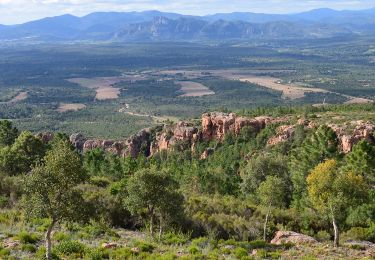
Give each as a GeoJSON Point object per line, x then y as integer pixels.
{"type": "Point", "coordinates": [194, 89]}
{"type": "Point", "coordinates": [103, 86]}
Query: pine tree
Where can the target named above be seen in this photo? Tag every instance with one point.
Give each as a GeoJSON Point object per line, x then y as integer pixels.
{"type": "Point", "coordinates": [315, 149]}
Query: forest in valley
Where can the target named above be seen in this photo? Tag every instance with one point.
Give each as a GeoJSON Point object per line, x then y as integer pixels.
{"type": "Point", "coordinates": [59, 203]}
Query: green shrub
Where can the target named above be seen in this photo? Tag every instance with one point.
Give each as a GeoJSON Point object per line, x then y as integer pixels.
{"type": "Point", "coordinates": [357, 247]}
{"type": "Point", "coordinates": [274, 255]}
{"type": "Point", "coordinates": [240, 252]}
{"type": "Point", "coordinates": [120, 253]}
{"type": "Point", "coordinates": [27, 238]}
{"type": "Point", "coordinates": [96, 254]}
{"type": "Point", "coordinates": [99, 181]}
{"type": "Point", "coordinates": [355, 233]}
{"type": "Point", "coordinates": [69, 247]}
{"type": "Point", "coordinates": [60, 236]}
{"type": "Point", "coordinates": [323, 236]}
{"type": "Point", "coordinates": [29, 248]}
{"type": "Point", "coordinates": [4, 253]}
{"type": "Point", "coordinates": [3, 201]}
{"type": "Point", "coordinates": [193, 250]}
{"type": "Point", "coordinates": [171, 238]}
{"type": "Point", "coordinates": [41, 254]}
{"type": "Point", "coordinates": [145, 247]}
{"type": "Point", "coordinates": [201, 242]}
{"type": "Point", "coordinates": [256, 244]}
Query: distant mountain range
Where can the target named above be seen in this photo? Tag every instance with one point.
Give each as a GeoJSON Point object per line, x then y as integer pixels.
{"type": "Point", "coordinates": [161, 26]}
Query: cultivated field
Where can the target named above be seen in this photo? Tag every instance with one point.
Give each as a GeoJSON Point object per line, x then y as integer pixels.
{"type": "Point", "coordinates": [291, 92]}
{"type": "Point", "coordinates": [103, 86]}
{"type": "Point", "coordinates": [194, 89]}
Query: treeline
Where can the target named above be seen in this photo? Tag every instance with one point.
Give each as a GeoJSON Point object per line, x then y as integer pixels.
{"type": "Point", "coordinates": [245, 190]}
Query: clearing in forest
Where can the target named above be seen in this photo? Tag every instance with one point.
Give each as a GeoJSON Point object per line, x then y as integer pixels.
{"type": "Point", "coordinates": [103, 86]}
{"type": "Point", "coordinates": [194, 89]}
{"type": "Point", "coordinates": [64, 107]}
{"type": "Point", "coordinates": [20, 97]}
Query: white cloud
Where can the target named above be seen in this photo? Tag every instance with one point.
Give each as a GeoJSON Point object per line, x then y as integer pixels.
{"type": "Point", "coordinates": [16, 11]}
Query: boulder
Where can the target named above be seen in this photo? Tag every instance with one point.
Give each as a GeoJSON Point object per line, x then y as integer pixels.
{"type": "Point", "coordinates": [283, 237]}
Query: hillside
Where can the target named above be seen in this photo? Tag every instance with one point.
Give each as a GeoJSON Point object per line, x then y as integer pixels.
{"type": "Point", "coordinates": [161, 26]}
{"type": "Point", "coordinates": [260, 184]}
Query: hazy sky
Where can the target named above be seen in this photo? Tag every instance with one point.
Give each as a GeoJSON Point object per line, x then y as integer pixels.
{"type": "Point", "coordinates": [17, 11]}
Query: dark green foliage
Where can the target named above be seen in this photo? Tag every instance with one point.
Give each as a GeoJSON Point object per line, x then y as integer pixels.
{"type": "Point", "coordinates": [156, 194]}
{"type": "Point", "coordinates": [258, 168]}
{"type": "Point", "coordinates": [27, 238]}
{"type": "Point", "coordinates": [8, 133]}
{"type": "Point", "coordinates": [25, 152]}
{"type": "Point", "coordinates": [316, 148]}
{"type": "Point", "coordinates": [69, 247]}
{"type": "Point", "coordinates": [361, 161]}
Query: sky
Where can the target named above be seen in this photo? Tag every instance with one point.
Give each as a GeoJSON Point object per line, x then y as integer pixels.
{"type": "Point", "coordinates": [19, 11]}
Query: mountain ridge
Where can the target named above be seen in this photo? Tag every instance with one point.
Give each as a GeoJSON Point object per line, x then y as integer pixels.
{"type": "Point", "coordinates": [143, 26]}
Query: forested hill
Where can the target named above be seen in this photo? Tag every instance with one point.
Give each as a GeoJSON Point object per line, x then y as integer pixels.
{"type": "Point", "coordinates": [266, 183]}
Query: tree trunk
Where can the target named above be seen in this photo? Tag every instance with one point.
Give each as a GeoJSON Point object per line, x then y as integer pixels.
{"type": "Point", "coordinates": [336, 230]}
{"type": "Point", "coordinates": [152, 225]}
{"type": "Point", "coordinates": [48, 240]}
{"type": "Point", "coordinates": [160, 228]}
{"type": "Point", "coordinates": [265, 225]}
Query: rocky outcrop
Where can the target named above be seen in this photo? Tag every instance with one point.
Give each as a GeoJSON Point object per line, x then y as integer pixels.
{"type": "Point", "coordinates": [214, 126]}
{"type": "Point", "coordinates": [168, 138]}
{"type": "Point", "coordinates": [107, 145]}
{"type": "Point", "coordinates": [78, 141]}
{"type": "Point", "coordinates": [284, 133]}
{"type": "Point", "coordinates": [283, 237]}
{"type": "Point", "coordinates": [138, 143]}
{"type": "Point", "coordinates": [362, 131]}
{"type": "Point", "coordinates": [217, 125]}
{"type": "Point", "coordinates": [132, 146]}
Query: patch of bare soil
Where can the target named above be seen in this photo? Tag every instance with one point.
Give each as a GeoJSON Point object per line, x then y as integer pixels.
{"type": "Point", "coordinates": [194, 89]}
{"type": "Point", "coordinates": [64, 107]}
{"type": "Point", "coordinates": [103, 86]}
{"type": "Point", "coordinates": [20, 97]}
{"type": "Point", "coordinates": [291, 92]}
{"type": "Point", "coordinates": [357, 100]}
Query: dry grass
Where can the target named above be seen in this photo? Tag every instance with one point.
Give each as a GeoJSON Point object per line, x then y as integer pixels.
{"type": "Point", "coordinates": [194, 89]}
{"type": "Point", "coordinates": [64, 107]}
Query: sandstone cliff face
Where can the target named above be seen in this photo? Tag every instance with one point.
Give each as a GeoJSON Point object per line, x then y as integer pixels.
{"type": "Point", "coordinates": [217, 125]}
{"type": "Point", "coordinates": [362, 131]}
{"type": "Point", "coordinates": [284, 133]}
{"type": "Point", "coordinates": [132, 146]}
{"type": "Point", "coordinates": [214, 126]}
{"type": "Point", "coordinates": [170, 136]}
